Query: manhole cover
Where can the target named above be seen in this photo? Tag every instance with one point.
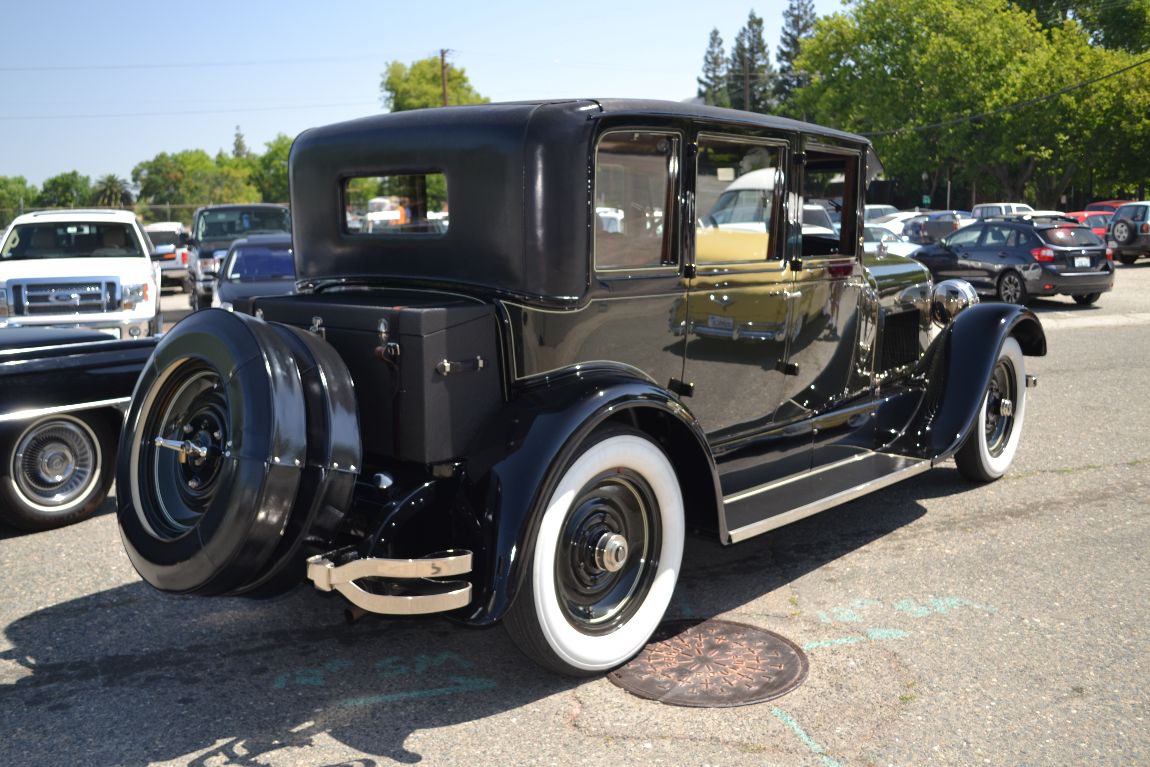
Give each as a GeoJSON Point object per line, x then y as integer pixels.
{"type": "Point", "coordinates": [713, 664]}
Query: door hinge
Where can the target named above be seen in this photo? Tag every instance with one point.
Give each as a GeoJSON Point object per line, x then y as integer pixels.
{"type": "Point", "coordinates": [689, 271]}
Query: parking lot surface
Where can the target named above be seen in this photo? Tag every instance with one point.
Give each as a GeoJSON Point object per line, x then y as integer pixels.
{"type": "Point", "coordinates": [945, 623]}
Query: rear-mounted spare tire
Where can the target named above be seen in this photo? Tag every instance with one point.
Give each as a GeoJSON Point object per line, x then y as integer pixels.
{"type": "Point", "coordinates": [213, 452]}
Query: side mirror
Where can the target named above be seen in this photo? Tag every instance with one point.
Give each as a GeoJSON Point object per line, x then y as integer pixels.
{"type": "Point", "coordinates": [185, 239]}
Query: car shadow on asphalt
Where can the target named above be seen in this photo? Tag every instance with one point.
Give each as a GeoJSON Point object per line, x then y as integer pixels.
{"type": "Point", "coordinates": [232, 680]}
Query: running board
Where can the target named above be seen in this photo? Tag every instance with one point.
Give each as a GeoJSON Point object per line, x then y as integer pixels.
{"type": "Point", "coordinates": [394, 586]}
{"type": "Point", "coordinates": [776, 502]}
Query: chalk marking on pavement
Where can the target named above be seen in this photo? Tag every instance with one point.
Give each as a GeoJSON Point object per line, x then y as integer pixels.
{"type": "Point", "coordinates": [807, 740]}
{"type": "Point", "coordinates": [459, 684]}
{"type": "Point", "coordinates": [872, 635]}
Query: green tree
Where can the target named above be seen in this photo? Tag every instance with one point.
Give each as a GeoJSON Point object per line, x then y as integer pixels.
{"type": "Point", "coordinates": [713, 81]}
{"type": "Point", "coordinates": [192, 177]}
{"type": "Point", "coordinates": [16, 195]}
{"type": "Point", "coordinates": [239, 145]}
{"type": "Point", "coordinates": [270, 171]}
{"type": "Point", "coordinates": [956, 99]}
{"type": "Point", "coordinates": [421, 85]}
{"type": "Point", "coordinates": [798, 24]}
{"type": "Point", "coordinates": [111, 191]}
{"type": "Point", "coordinates": [750, 74]}
{"type": "Point", "coordinates": [1115, 24]}
{"type": "Point", "coordinates": [65, 190]}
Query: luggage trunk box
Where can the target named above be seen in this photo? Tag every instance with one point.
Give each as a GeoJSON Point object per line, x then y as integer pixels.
{"type": "Point", "coordinates": [426, 384]}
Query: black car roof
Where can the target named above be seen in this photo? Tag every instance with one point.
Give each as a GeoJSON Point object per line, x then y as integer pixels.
{"type": "Point", "coordinates": [518, 187]}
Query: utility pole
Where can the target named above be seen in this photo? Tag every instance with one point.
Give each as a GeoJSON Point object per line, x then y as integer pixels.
{"type": "Point", "coordinates": [443, 72]}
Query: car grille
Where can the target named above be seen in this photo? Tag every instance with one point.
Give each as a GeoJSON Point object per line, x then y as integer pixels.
{"type": "Point", "coordinates": [30, 299]}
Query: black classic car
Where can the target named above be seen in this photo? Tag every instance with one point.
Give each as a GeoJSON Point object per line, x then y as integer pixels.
{"type": "Point", "coordinates": [65, 391]}
{"type": "Point", "coordinates": [513, 406]}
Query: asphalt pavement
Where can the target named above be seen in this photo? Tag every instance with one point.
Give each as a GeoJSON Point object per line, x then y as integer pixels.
{"type": "Point", "coordinates": [945, 624]}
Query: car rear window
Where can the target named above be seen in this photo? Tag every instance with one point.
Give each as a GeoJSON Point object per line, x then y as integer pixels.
{"type": "Point", "coordinates": [1070, 236]}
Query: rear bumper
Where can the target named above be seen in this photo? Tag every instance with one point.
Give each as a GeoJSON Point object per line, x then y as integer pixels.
{"type": "Point", "coordinates": [1051, 283]}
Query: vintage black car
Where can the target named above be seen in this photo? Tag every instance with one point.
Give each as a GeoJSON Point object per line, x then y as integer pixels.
{"type": "Point", "coordinates": [65, 391]}
{"type": "Point", "coordinates": [513, 406]}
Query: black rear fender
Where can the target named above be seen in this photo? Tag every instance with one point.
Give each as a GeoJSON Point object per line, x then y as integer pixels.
{"type": "Point", "coordinates": [543, 426]}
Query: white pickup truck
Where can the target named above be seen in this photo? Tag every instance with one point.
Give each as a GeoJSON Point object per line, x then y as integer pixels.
{"type": "Point", "coordinates": [80, 268]}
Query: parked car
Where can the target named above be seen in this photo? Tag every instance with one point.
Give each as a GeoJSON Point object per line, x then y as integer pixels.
{"type": "Point", "coordinates": [997, 209]}
{"type": "Point", "coordinates": [214, 229]}
{"type": "Point", "coordinates": [65, 390]}
{"type": "Point", "coordinates": [260, 265]}
{"type": "Point", "coordinates": [880, 241]}
{"type": "Point", "coordinates": [931, 226]}
{"type": "Point", "coordinates": [1108, 205]}
{"type": "Point", "coordinates": [1017, 258]}
{"type": "Point", "coordinates": [170, 239]}
{"type": "Point", "coordinates": [1096, 220]}
{"type": "Point", "coordinates": [508, 420]}
{"type": "Point", "coordinates": [80, 268]}
{"type": "Point", "coordinates": [896, 221]}
{"type": "Point", "coordinates": [1129, 232]}
{"type": "Point", "coordinates": [872, 212]}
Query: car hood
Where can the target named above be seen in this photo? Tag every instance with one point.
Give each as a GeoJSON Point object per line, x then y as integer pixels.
{"type": "Point", "coordinates": [127, 268]}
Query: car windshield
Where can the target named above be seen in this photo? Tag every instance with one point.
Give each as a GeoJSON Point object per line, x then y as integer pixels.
{"type": "Point", "coordinates": [163, 237]}
{"type": "Point", "coordinates": [253, 263]}
{"type": "Point", "coordinates": [233, 223]}
{"type": "Point", "coordinates": [1070, 236]}
{"type": "Point", "coordinates": [41, 240]}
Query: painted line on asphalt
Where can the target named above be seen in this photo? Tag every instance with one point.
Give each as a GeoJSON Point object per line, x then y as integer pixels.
{"type": "Point", "coordinates": [1068, 322]}
{"type": "Point", "coordinates": [807, 740]}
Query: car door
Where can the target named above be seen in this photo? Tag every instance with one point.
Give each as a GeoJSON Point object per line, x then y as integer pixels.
{"type": "Point", "coordinates": [948, 259]}
{"type": "Point", "coordinates": [736, 314]}
{"type": "Point", "coordinates": [995, 250]}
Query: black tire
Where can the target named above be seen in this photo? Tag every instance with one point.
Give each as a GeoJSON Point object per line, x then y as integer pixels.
{"type": "Point", "coordinates": [604, 561]}
{"type": "Point", "coordinates": [989, 449]}
{"type": "Point", "coordinates": [57, 469]}
{"type": "Point", "coordinates": [205, 512]}
{"type": "Point", "coordinates": [1127, 259]}
{"type": "Point", "coordinates": [333, 455]}
{"type": "Point", "coordinates": [1086, 299]}
{"type": "Point", "coordinates": [1124, 231]}
{"type": "Point", "coordinates": [1011, 288]}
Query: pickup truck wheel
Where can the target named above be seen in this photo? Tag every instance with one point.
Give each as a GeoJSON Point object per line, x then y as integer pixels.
{"type": "Point", "coordinates": [212, 454]}
{"type": "Point", "coordinates": [990, 447]}
{"type": "Point", "coordinates": [57, 470]}
{"type": "Point", "coordinates": [606, 557]}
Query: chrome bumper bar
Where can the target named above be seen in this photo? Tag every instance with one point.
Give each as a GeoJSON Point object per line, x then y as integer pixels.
{"type": "Point", "coordinates": [395, 586]}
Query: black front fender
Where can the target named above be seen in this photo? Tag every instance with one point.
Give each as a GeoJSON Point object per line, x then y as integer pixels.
{"type": "Point", "coordinates": [957, 368]}
{"type": "Point", "coordinates": [541, 429]}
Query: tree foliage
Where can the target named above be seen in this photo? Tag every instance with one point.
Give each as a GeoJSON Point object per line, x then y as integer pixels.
{"type": "Point", "coordinates": [16, 195]}
{"type": "Point", "coordinates": [713, 82]}
{"type": "Point", "coordinates": [1115, 24]}
{"type": "Point", "coordinates": [193, 177]}
{"type": "Point", "coordinates": [750, 74]}
{"type": "Point", "coordinates": [799, 19]}
{"type": "Point", "coordinates": [968, 97]}
{"type": "Point", "coordinates": [111, 191]}
{"type": "Point", "coordinates": [420, 85]}
{"type": "Point", "coordinates": [65, 190]}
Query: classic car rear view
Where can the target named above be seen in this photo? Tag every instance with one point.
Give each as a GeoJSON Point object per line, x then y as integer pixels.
{"type": "Point", "coordinates": [510, 400]}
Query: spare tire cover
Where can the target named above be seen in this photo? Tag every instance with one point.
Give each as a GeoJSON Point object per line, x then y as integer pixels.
{"type": "Point", "coordinates": [211, 454]}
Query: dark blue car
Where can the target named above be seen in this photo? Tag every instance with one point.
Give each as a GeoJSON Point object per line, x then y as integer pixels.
{"type": "Point", "coordinates": [259, 265]}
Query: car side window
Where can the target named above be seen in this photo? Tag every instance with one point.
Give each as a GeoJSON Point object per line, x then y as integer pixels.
{"type": "Point", "coordinates": [738, 188]}
{"type": "Point", "coordinates": [634, 199]}
{"type": "Point", "coordinates": [966, 237]}
{"type": "Point", "coordinates": [997, 236]}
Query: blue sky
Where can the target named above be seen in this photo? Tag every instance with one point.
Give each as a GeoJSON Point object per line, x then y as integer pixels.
{"type": "Point", "coordinates": [99, 87]}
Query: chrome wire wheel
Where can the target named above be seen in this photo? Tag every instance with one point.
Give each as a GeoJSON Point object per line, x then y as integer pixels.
{"type": "Point", "coordinates": [56, 464]}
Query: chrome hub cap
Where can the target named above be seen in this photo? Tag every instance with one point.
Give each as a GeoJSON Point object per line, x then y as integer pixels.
{"type": "Point", "coordinates": [611, 552]}
{"type": "Point", "coordinates": [56, 463]}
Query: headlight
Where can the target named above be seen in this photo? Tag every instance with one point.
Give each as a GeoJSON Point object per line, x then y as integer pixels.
{"type": "Point", "coordinates": [206, 266]}
{"type": "Point", "coordinates": [134, 295]}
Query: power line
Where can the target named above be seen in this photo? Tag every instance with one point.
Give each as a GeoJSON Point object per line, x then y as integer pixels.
{"type": "Point", "coordinates": [297, 106]}
{"type": "Point", "coordinates": [1008, 107]}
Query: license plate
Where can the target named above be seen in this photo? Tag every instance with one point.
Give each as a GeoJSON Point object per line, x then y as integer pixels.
{"type": "Point", "coordinates": [721, 323]}
{"type": "Point", "coordinates": [1082, 262]}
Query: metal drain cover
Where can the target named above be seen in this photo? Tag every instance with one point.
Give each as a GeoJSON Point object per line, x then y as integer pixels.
{"type": "Point", "coordinates": [713, 664]}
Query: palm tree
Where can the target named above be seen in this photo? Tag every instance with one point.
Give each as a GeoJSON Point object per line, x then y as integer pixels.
{"type": "Point", "coordinates": [112, 191]}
